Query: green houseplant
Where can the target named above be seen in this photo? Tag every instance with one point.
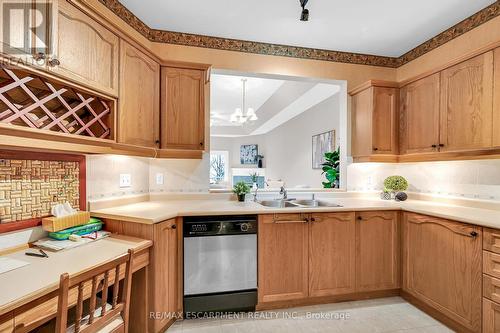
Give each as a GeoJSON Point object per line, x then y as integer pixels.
{"type": "Point", "coordinates": [392, 185]}
{"type": "Point", "coordinates": [331, 169]}
{"type": "Point", "coordinates": [241, 189]}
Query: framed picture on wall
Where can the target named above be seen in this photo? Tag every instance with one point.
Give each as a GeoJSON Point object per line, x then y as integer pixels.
{"type": "Point", "coordinates": [321, 144]}
{"type": "Point", "coordinates": [248, 154]}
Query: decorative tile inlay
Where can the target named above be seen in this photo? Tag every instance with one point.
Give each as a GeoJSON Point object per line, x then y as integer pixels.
{"type": "Point", "coordinates": [228, 44]}
{"type": "Point", "coordinates": [28, 188]}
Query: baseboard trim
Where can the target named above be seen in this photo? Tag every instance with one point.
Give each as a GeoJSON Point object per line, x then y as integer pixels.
{"type": "Point", "coordinates": [452, 324]}
{"type": "Point", "coordinates": [326, 299]}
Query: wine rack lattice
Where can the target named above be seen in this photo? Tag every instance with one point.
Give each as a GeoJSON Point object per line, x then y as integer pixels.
{"type": "Point", "coordinates": [34, 101]}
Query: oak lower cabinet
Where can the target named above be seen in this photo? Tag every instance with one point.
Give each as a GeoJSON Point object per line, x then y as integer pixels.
{"type": "Point", "coordinates": [139, 103]}
{"type": "Point", "coordinates": [332, 254]}
{"type": "Point", "coordinates": [491, 316]}
{"type": "Point", "coordinates": [375, 121]}
{"type": "Point", "coordinates": [88, 52]}
{"type": "Point", "coordinates": [164, 274]}
{"type": "Point", "coordinates": [306, 256]}
{"type": "Point", "coordinates": [283, 257]}
{"type": "Point", "coordinates": [377, 251]}
{"type": "Point", "coordinates": [183, 108]}
{"type": "Point", "coordinates": [442, 268]}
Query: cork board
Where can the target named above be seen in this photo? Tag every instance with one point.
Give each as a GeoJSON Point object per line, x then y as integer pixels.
{"type": "Point", "coordinates": [31, 183]}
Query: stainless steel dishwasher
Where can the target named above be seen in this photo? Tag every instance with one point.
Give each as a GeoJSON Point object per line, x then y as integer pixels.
{"type": "Point", "coordinates": [220, 263]}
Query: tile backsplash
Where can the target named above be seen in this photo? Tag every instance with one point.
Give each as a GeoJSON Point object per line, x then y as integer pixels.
{"type": "Point", "coordinates": [28, 188]}
{"type": "Point", "coordinates": [476, 179]}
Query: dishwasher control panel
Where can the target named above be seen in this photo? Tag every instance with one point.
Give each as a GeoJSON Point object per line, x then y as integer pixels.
{"type": "Point", "coordinates": [219, 225]}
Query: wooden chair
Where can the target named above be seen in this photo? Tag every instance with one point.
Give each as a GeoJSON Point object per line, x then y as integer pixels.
{"type": "Point", "coordinates": [106, 317]}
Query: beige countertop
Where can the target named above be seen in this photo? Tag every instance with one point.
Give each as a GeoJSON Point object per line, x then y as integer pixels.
{"type": "Point", "coordinates": [161, 210]}
{"type": "Point", "coordinates": [41, 276]}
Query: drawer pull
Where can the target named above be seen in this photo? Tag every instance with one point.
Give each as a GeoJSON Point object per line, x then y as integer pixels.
{"type": "Point", "coordinates": [473, 234]}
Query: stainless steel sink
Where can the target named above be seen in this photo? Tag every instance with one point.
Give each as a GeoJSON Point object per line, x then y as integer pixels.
{"type": "Point", "coordinates": [276, 203]}
{"type": "Point", "coordinates": [297, 203]}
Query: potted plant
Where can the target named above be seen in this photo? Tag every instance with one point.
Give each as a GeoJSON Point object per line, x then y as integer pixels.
{"type": "Point", "coordinates": [394, 184]}
{"type": "Point", "coordinates": [331, 169]}
{"type": "Point", "coordinates": [241, 189]}
{"type": "Point", "coordinates": [254, 176]}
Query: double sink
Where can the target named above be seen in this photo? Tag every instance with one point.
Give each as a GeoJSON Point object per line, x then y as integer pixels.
{"type": "Point", "coordinates": [292, 203]}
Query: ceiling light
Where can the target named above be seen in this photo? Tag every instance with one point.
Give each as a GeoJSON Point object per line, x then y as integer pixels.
{"type": "Point", "coordinates": [304, 15]}
{"type": "Point", "coordinates": [239, 115]}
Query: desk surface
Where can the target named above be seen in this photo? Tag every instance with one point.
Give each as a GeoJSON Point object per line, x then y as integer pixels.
{"type": "Point", "coordinates": [41, 276]}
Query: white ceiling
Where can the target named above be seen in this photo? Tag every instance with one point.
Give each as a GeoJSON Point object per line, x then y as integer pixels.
{"type": "Point", "coordinates": [275, 102]}
{"type": "Point", "coordinates": [226, 96]}
{"type": "Point", "coordinates": [382, 27]}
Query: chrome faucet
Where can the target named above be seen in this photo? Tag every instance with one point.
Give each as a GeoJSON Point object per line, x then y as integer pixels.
{"type": "Point", "coordinates": [283, 192]}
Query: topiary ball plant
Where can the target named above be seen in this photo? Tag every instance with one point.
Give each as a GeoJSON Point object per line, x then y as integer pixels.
{"type": "Point", "coordinates": [395, 184]}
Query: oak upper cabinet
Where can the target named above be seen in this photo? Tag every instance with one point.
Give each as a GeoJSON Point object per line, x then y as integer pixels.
{"type": "Point", "coordinates": [183, 108]}
{"type": "Point", "coordinates": [466, 104]}
{"type": "Point", "coordinates": [87, 52]}
{"type": "Point", "coordinates": [332, 254]}
{"type": "Point", "coordinates": [282, 257]}
{"type": "Point", "coordinates": [139, 111]}
{"type": "Point", "coordinates": [442, 267]}
{"type": "Point", "coordinates": [496, 99]}
{"type": "Point", "coordinates": [374, 120]}
{"type": "Point", "coordinates": [377, 251]}
{"type": "Point", "coordinates": [419, 106]}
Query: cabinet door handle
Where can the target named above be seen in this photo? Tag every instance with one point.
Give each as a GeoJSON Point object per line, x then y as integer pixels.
{"type": "Point", "coordinates": [360, 218]}
{"type": "Point", "coordinates": [375, 149]}
{"type": "Point", "coordinates": [173, 226]}
{"type": "Point", "coordinates": [473, 234]}
{"type": "Point", "coordinates": [313, 219]}
{"type": "Point", "coordinates": [434, 146]}
{"type": "Point", "coordinates": [157, 142]}
{"type": "Point", "coordinates": [441, 145]}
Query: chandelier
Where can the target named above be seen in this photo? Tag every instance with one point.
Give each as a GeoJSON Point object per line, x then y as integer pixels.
{"type": "Point", "coordinates": [243, 115]}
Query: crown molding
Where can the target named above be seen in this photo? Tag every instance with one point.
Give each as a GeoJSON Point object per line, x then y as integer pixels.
{"type": "Point", "coordinates": [179, 38]}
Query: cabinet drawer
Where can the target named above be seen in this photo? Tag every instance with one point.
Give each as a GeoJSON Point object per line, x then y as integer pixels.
{"type": "Point", "coordinates": [491, 240]}
{"type": "Point", "coordinates": [491, 264]}
{"type": "Point", "coordinates": [285, 218]}
{"type": "Point", "coordinates": [491, 288]}
{"type": "Point", "coordinates": [491, 316]}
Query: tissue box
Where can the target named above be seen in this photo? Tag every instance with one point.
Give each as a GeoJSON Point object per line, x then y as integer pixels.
{"type": "Point", "coordinates": [53, 223]}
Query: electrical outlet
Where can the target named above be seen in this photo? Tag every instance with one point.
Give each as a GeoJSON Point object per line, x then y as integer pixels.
{"type": "Point", "coordinates": [125, 180]}
{"type": "Point", "coordinates": [159, 179]}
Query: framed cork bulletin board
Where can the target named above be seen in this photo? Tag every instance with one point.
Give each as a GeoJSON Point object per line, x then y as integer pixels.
{"type": "Point", "coordinates": [32, 182]}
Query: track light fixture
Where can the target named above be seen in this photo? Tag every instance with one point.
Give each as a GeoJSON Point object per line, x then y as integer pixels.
{"type": "Point", "coordinates": [304, 16]}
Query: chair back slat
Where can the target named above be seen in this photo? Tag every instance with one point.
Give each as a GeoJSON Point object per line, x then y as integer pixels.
{"type": "Point", "coordinates": [93, 296]}
{"type": "Point", "coordinates": [96, 280]}
{"type": "Point", "coordinates": [116, 287]}
{"type": "Point", "coordinates": [79, 307]}
{"type": "Point", "coordinates": [104, 299]}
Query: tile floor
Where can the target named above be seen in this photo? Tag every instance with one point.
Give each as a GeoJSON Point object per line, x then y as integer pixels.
{"type": "Point", "coordinates": [391, 314]}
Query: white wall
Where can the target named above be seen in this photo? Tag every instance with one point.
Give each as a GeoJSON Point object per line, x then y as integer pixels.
{"type": "Point", "coordinates": [287, 149]}
{"type": "Point", "coordinates": [478, 179]}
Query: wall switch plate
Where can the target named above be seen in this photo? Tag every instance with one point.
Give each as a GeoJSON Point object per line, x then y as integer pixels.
{"type": "Point", "coordinates": [125, 180]}
{"type": "Point", "coordinates": [159, 179]}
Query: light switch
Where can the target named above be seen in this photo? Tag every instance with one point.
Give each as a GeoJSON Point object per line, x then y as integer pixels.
{"type": "Point", "coordinates": [125, 180]}
{"type": "Point", "coordinates": [159, 179]}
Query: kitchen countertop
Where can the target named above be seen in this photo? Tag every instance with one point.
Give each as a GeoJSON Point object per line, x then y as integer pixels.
{"type": "Point", "coordinates": [157, 211]}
